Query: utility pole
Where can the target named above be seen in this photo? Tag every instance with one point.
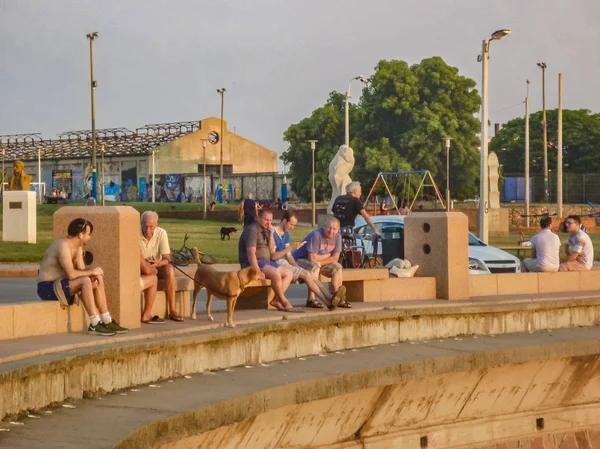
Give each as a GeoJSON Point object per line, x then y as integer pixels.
{"type": "Point", "coordinates": [559, 159]}
{"type": "Point", "coordinates": [313, 147]}
{"type": "Point", "coordinates": [527, 154]}
{"type": "Point", "coordinates": [448, 174]}
{"type": "Point", "coordinates": [91, 37]}
{"type": "Point", "coordinates": [543, 66]}
{"type": "Point", "coordinates": [222, 92]}
{"type": "Point", "coordinates": [204, 176]}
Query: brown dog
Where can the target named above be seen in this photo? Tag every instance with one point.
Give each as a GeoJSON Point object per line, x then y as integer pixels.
{"type": "Point", "coordinates": [225, 285]}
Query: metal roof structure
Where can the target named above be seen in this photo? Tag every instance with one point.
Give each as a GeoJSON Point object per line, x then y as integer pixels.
{"type": "Point", "coordinates": [78, 144]}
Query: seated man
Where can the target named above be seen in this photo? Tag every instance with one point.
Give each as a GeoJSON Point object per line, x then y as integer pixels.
{"type": "Point", "coordinates": [320, 255]}
{"type": "Point", "coordinates": [579, 247]}
{"type": "Point", "coordinates": [63, 275]}
{"type": "Point", "coordinates": [149, 286]}
{"type": "Point", "coordinates": [155, 249]}
{"type": "Point", "coordinates": [546, 249]}
{"type": "Point", "coordinates": [253, 250]}
{"type": "Point", "coordinates": [281, 253]}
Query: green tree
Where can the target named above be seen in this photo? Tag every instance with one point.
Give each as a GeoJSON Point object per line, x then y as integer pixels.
{"type": "Point", "coordinates": [399, 124]}
{"type": "Point", "coordinates": [581, 142]}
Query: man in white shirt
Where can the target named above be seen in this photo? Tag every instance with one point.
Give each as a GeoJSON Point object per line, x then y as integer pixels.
{"type": "Point", "coordinates": [579, 247]}
{"type": "Point", "coordinates": [154, 244]}
{"type": "Point", "coordinates": [546, 249]}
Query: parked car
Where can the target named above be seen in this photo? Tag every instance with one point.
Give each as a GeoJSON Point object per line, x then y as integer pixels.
{"type": "Point", "coordinates": [483, 259]}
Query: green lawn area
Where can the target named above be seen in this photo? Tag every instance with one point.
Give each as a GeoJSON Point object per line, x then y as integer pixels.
{"type": "Point", "coordinates": [203, 234]}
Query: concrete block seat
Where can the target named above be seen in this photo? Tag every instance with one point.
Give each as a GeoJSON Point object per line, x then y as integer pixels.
{"type": "Point", "coordinates": [362, 284]}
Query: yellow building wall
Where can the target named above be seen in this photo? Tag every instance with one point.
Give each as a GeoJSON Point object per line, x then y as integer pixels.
{"type": "Point", "coordinates": [183, 155]}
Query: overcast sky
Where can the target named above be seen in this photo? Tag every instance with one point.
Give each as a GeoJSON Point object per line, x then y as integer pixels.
{"type": "Point", "coordinates": [162, 61]}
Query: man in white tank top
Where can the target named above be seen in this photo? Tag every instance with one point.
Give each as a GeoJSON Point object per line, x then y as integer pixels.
{"type": "Point", "coordinates": [546, 249]}
{"type": "Point", "coordinates": [579, 247]}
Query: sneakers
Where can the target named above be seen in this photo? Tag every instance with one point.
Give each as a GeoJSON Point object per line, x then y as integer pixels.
{"type": "Point", "coordinates": [113, 326]}
{"type": "Point", "coordinates": [100, 329]}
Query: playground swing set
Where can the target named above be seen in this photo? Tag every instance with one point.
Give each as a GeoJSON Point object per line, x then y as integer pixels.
{"type": "Point", "coordinates": [404, 182]}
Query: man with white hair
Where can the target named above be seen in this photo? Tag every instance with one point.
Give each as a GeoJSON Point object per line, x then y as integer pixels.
{"type": "Point", "coordinates": [154, 244]}
{"type": "Point", "coordinates": [347, 207]}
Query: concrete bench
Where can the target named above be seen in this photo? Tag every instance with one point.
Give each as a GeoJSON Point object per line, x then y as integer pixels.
{"type": "Point", "coordinates": [362, 284]}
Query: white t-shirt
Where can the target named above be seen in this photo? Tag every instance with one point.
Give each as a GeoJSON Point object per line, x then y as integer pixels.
{"type": "Point", "coordinates": [157, 246]}
{"type": "Point", "coordinates": [581, 243]}
{"type": "Point", "coordinates": [547, 249]}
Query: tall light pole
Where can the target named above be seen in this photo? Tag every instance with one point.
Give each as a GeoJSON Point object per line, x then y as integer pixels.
{"type": "Point", "coordinates": [222, 92]}
{"type": "Point", "coordinates": [527, 153]}
{"type": "Point", "coordinates": [153, 177]}
{"type": "Point", "coordinates": [362, 79]}
{"type": "Point", "coordinates": [482, 220]}
{"type": "Point", "coordinates": [39, 167]}
{"type": "Point", "coordinates": [91, 37]}
{"type": "Point", "coordinates": [204, 176]}
{"type": "Point", "coordinates": [313, 147]}
{"type": "Point", "coordinates": [448, 139]}
{"type": "Point", "coordinates": [102, 175]}
{"type": "Point", "coordinates": [542, 65]}
{"type": "Point", "coordinates": [559, 156]}
{"type": "Point", "coordinates": [3, 173]}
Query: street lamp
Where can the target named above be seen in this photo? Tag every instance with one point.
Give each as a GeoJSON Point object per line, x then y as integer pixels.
{"type": "Point", "coordinates": [527, 153]}
{"type": "Point", "coordinates": [222, 92]}
{"type": "Point", "coordinates": [542, 65]}
{"type": "Point", "coordinates": [482, 219]}
{"type": "Point", "coordinates": [363, 80]}
{"type": "Point", "coordinates": [204, 176]}
{"type": "Point", "coordinates": [313, 147]}
{"type": "Point", "coordinates": [153, 177]}
{"type": "Point", "coordinates": [91, 37]}
{"type": "Point", "coordinates": [448, 139]}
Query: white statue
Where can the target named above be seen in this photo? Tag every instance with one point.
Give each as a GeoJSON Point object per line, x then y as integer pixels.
{"type": "Point", "coordinates": [339, 173]}
{"type": "Point", "coordinates": [493, 166]}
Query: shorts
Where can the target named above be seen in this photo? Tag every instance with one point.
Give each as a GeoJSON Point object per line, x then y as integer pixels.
{"type": "Point", "coordinates": [573, 266]}
{"type": "Point", "coordinates": [295, 269]}
{"type": "Point", "coordinates": [531, 265]}
{"type": "Point", "coordinates": [266, 263]}
{"type": "Point", "coordinates": [47, 291]}
{"type": "Point", "coordinates": [326, 270]}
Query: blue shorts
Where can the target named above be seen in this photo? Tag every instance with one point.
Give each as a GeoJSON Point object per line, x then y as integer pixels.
{"type": "Point", "coordinates": [267, 263]}
{"type": "Point", "coordinates": [45, 291]}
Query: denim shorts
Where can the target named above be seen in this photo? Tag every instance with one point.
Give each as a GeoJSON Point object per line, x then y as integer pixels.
{"type": "Point", "coordinates": [267, 263]}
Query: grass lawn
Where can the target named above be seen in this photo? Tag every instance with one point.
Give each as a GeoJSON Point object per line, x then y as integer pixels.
{"type": "Point", "coordinates": [203, 234]}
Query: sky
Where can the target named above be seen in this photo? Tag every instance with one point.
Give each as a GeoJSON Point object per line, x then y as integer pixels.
{"type": "Point", "coordinates": [162, 61]}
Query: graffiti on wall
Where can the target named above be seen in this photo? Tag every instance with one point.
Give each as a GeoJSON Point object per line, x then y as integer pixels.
{"type": "Point", "coordinates": [173, 188]}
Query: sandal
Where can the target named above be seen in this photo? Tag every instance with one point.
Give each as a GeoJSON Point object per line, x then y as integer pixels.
{"type": "Point", "coordinates": [175, 318]}
{"type": "Point", "coordinates": [314, 304]}
{"type": "Point", "coordinates": [154, 320]}
{"type": "Point", "coordinates": [338, 298]}
{"type": "Point", "coordinates": [345, 305]}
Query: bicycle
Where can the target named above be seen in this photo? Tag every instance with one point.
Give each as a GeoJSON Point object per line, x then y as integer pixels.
{"type": "Point", "coordinates": [356, 256]}
{"type": "Point", "coordinates": [184, 256]}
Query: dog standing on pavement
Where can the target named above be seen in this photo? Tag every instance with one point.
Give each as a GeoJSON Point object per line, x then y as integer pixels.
{"type": "Point", "coordinates": [225, 232]}
{"type": "Point", "coordinates": [226, 285]}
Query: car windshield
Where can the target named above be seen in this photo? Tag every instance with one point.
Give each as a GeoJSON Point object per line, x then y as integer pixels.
{"type": "Point", "coordinates": [474, 241]}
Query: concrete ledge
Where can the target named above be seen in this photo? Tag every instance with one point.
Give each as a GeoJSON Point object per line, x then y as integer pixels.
{"type": "Point", "coordinates": [483, 285]}
{"type": "Point", "coordinates": [533, 283]}
{"type": "Point", "coordinates": [35, 384]}
{"type": "Point", "coordinates": [391, 289]}
{"type": "Point", "coordinates": [517, 283]}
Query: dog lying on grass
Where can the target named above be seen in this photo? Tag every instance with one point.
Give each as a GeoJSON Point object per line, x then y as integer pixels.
{"type": "Point", "coordinates": [226, 285]}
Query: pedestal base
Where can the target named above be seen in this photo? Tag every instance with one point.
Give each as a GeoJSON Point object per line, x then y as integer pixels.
{"type": "Point", "coordinates": [19, 216]}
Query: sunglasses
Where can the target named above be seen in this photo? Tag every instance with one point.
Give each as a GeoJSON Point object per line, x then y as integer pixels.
{"type": "Point", "coordinates": [84, 225]}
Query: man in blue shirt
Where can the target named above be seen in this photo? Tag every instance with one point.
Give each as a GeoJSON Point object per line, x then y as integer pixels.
{"type": "Point", "coordinates": [281, 249]}
{"type": "Point", "coordinates": [320, 255]}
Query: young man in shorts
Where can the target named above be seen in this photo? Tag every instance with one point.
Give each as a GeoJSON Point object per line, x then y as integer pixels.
{"type": "Point", "coordinates": [281, 253]}
{"type": "Point", "coordinates": [63, 275]}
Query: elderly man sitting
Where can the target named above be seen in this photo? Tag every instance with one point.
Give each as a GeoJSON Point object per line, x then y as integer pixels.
{"type": "Point", "coordinates": [320, 255]}
{"type": "Point", "coordinates": [155, 249]}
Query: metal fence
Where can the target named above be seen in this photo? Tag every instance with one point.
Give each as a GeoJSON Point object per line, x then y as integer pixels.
{"type": "Point", "coordinates": [578, 188]}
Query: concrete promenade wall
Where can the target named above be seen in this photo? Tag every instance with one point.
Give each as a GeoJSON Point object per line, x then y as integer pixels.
{"type": "Point", "coordinates": [466, 400]}
{"type": "Point", "coordinates": [28, 386]}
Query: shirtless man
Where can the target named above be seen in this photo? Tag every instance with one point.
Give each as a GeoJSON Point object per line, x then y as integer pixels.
{"type": "Point", "coordinates": [62, 275]}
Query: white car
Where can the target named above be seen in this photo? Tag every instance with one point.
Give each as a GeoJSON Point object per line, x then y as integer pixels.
{"type": "Point", "coordinates": [483, 259]}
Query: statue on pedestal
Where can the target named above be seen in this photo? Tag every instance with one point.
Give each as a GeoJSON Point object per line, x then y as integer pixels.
{"type": "Point", "coordinates": [19, 180]}
{"type": "Point", "coordinates": [339, 173]}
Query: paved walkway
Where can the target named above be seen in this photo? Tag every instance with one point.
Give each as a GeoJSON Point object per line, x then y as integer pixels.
{"type": "Point", "coordinates": [101, 423]}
